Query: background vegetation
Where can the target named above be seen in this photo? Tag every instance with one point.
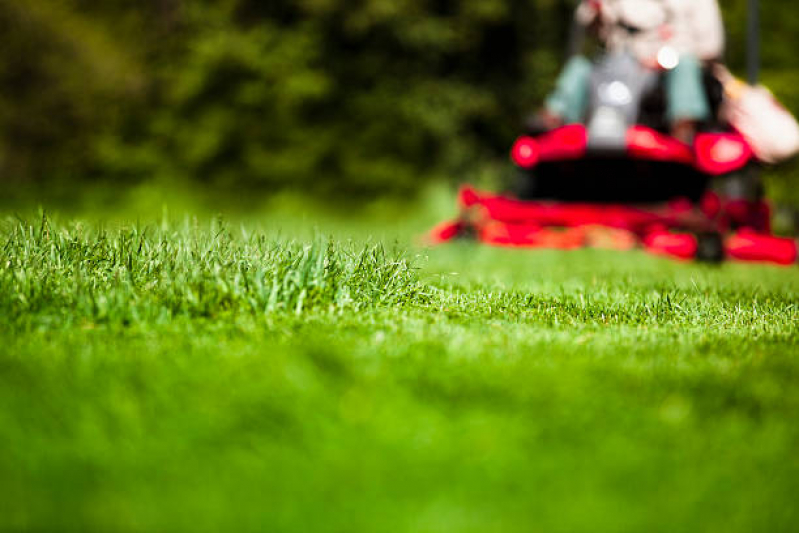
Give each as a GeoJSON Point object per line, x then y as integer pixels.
{"type": "Point", "coordinates": [355, 97]}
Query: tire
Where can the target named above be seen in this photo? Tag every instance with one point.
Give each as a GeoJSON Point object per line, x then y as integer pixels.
{"type": "Point", "coordinates": [710, 248]}
{"type": "Point", "coordinates": [743, 184]}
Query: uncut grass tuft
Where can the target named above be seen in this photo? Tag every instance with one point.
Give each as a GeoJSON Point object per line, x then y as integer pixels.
{"type": "Point", "coordinates": [141, 274]}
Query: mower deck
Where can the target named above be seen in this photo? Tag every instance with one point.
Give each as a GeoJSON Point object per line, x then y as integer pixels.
{"type": "Point", "coordinates": [680, 229]}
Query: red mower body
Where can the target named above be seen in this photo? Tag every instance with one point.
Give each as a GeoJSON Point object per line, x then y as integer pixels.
{"type": "Point", "coordinates": [672, 200]}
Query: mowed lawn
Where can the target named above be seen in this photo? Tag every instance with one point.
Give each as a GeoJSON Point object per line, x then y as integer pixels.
{"type": "Point", "coordinates": [197, 377]}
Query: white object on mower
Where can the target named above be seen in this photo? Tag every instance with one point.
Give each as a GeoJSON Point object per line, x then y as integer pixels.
{"type": "Point", "coordinates": [768, 127]}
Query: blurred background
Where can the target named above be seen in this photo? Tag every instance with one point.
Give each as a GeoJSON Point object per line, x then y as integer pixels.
{"type": "Point", "coordinates": [336, 99]}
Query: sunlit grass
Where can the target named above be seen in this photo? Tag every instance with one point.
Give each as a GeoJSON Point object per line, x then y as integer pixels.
{"type": "Point", "coordinates": [207, 376]}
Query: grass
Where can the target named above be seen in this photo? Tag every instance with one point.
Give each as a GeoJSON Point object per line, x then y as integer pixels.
{"type": "Point", "coordinates": [204, 377]}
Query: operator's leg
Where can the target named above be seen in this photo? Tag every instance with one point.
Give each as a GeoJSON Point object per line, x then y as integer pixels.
{"type": "Point", "coordinates": [570, 98]}
{"type": "Point", "coordinates": [687, 100]}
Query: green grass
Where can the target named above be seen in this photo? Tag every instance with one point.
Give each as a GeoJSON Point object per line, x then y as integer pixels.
{"type": "Point", "coordinates": [203, 377]}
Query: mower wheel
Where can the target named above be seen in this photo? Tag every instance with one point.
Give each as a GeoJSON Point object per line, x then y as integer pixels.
{"type": "Point", "coordinates": [710, 248]}
{"type": "Point", "coordinates": [743, 184]}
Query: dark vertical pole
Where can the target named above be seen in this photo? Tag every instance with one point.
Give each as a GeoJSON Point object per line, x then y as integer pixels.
{"type": "Point", "coordinates": [753, 73]}
{"type": "Point", "coordinates": [753, 42]}
{"type": "Point", "coordinates": [576, 40]}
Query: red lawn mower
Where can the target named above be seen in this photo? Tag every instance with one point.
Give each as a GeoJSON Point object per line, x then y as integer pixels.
{"type": "Point", "coordinates": [621, 181]}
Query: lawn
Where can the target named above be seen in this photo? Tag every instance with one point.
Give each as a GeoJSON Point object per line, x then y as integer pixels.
{"type": "Point", "coordinates": [197, 376]}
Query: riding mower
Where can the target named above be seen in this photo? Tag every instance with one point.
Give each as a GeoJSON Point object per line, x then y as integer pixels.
{"type": "Point", "coordinates": [620, 181]}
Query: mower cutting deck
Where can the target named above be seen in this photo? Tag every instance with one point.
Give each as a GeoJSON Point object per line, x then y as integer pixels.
{"type": "Point", "coordinates": [677, 229]}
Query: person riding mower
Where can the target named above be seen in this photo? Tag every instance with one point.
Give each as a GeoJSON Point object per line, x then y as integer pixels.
{"type": "Point", "coordinates": [679, 37]}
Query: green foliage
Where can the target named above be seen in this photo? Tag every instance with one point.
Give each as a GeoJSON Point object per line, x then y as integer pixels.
{"type": "Point", "coordinates": [65, 82]}
{"type": "Point", "coordinates": [323, 96]}
{"type": "Point", "coordinates": [165, 378]}
{"type": "Point", "coordinates": [319, 96]}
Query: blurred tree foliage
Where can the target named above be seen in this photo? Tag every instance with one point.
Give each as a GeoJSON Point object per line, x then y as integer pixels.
{"type": "Point", "coordinates": [355, 96]}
